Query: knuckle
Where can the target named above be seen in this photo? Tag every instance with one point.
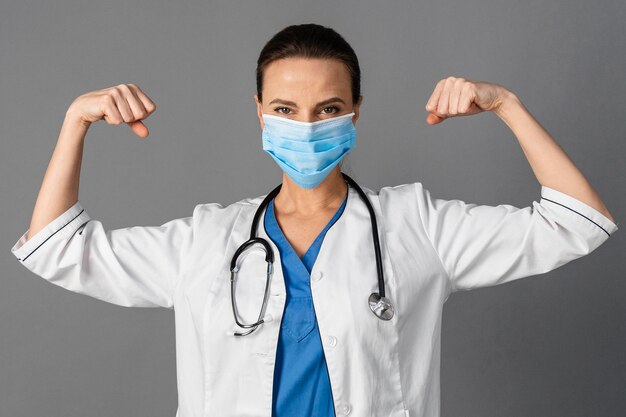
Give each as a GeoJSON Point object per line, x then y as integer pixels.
{"type": "Point", "coordinates": [108, 99]}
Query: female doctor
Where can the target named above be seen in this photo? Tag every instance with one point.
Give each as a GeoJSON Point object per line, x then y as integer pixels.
{"type": "Point", "coordinates": [318, 298]}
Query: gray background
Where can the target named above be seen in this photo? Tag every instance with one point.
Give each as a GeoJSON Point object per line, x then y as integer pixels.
{"type": "Point", "coordinates": [549, 345]}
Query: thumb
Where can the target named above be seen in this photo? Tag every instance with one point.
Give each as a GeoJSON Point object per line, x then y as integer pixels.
{"type": "Point", "coordinates": [433, 119]}
{"type": "Point", "coordinates": [139, 128]}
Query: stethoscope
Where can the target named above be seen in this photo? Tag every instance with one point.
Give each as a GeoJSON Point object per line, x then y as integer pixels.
{"type": "Point", "coordinates": [379, 304]}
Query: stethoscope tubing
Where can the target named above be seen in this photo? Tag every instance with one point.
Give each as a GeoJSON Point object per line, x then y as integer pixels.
{"type": "Point", "coordinates": [375, 238]}
{"type": "Point", "coordinates": [378, 303]}
{"type": "Point", "coordinates": [379, 261]}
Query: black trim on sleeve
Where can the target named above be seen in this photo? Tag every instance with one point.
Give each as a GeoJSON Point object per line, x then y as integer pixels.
{"type": "Point", "coordinates": [51, 236]}
{"type": "Point", "coordinates": [556, 202]}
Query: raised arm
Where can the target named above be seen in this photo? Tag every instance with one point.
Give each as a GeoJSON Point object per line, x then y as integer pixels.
{"type": "Point", "coordinates": [135, 266]}
{"type": "Point", "coordinates": [59, 189]}
{"type": "Point", "coordinates": [482, 245]}
{"type": "Point", "coordinates": [553, 168]}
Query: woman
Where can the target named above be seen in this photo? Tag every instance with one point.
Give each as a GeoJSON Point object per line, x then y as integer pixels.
{"type": "Point", "coordinates": [312, 345]}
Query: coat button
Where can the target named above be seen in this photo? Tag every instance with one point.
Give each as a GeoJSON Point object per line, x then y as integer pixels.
{"type": "Point", "coordinates": [345, 409]}
{"type": "Point", "coordinates": [268, 317]}
{"type": "Point", "coordinates": [331, 340]}
{"type": "Point", "coordinates": [317, 275]}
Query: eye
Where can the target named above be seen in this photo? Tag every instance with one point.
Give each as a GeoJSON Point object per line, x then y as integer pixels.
{"type": "Point", "coordinates": [279, 108]}
{"type": "Point", "coordinates": [332, 107]}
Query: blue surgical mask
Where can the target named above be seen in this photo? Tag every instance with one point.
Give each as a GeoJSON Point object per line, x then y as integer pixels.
{"type": "Point", "coordinates": [308, 151]}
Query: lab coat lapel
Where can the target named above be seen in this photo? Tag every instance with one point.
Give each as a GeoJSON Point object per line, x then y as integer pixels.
{"type": "Point", "coordinates": [239, 369]}
{"type": "Point", "coordinates": [360, 349]}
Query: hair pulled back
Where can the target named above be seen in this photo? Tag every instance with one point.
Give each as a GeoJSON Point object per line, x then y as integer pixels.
{"type": "Point", "coordinates": [309, 40]}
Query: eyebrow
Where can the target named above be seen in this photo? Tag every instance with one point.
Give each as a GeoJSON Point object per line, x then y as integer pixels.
{"type": "Point", "coordinates": [321, 103]}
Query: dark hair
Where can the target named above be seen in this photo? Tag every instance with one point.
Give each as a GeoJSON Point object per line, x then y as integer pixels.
{"type": "Point", "coordinates": [309, 40]}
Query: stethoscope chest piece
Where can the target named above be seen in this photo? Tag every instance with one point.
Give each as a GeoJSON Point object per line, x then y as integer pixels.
{"type": "Point", "coordinates": [381, 306]}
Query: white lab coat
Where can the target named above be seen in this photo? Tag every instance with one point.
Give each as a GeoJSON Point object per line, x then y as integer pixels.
{"type": "Point", "coordinates": [431, 247]}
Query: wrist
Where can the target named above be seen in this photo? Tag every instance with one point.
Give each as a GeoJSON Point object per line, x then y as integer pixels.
{"type": "Point", "coordinates": [74, 119]}
{"type": "Point", "coordinates": [73, 130]}
{"type": "Point", "coordinates": [506, 104]}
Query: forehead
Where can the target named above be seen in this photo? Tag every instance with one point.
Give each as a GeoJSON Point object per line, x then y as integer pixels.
{"type": "Point", "coordinates": [311, 75]}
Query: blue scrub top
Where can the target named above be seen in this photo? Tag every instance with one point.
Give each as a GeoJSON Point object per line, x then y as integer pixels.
{"type": "Point", "coordinates": [301, 381]}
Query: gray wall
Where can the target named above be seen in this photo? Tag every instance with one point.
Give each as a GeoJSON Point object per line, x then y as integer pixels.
{"type": "Point", "coordinates": [549, 345]}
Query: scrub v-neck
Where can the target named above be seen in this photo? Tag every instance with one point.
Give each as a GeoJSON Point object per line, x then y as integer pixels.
{"type": "Point", "coordinates": [289, 255]}
{"type": "Point", "coordinates": [301, 380]}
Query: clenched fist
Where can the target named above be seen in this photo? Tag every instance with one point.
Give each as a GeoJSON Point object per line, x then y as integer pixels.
{"type": "Point", "coordinates": [123, 103]}
{"type": "Point", "coordinates": [454, 96]}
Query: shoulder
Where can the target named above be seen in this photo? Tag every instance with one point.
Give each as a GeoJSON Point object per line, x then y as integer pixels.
{"type": "Point", "coordinates": [402, 197]}
{"type": "Point", "coordinates": [402, 203]}
{"type": "Point", "coordinates": [408, 193]}
{"type": "Point", "coordinates": [223, 214]}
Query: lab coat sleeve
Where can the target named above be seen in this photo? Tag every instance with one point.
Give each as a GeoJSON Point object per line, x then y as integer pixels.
{"type": "Point", "coordinates": [483, 245]}
{"type": "Point", "coordinates": [132, 267]}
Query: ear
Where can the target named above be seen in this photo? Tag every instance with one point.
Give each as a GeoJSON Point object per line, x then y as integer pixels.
{"type": "Point", "coordinates": [356, 107]}
{"type": "Point", "coordinates": [259, 110]}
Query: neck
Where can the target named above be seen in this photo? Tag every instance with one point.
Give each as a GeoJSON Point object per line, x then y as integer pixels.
{"type": "Point", "coordinates": [306, 203]}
